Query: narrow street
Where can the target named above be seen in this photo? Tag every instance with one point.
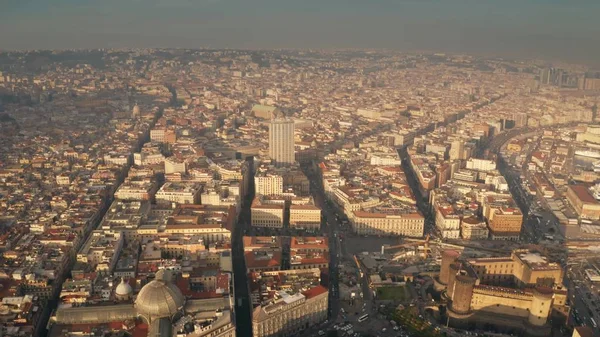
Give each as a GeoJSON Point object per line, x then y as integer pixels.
{"type": "Point", "coordinates": [243, 310]}
{"type": "Point", "coordinates": [335, 246]}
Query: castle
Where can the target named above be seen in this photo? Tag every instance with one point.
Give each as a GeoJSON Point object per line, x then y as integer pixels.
{"type": "Point", "coordinates": [519, 292]}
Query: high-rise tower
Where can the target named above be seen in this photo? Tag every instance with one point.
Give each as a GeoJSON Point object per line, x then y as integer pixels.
{"type": "Point", "coordinates": [281, 140]}
{"type": "Point", "coordinates": [135, 112]}
{"type": "Point", "coordinates": [457, 149]}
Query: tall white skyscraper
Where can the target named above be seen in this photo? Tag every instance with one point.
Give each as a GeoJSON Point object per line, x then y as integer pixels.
{"type": "Point", "coordinates": [457, 149]}
{"type": "Point", "coordinates": [281, 140]}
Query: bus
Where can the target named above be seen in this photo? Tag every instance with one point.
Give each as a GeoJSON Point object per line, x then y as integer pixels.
{"type": "Point", "coordinates": [363, 318]}
{"type": "Point", "coordinates": [591, 319]}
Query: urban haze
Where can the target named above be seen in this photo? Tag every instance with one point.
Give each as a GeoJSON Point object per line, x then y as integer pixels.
{"type": "Point", "coordinates": [546, 29]}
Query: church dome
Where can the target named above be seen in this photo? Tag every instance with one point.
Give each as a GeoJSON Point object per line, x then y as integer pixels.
{"type": "Point", "coordinates": [123, 289]}
{"type": "Point", "coordinates": [159, 299]}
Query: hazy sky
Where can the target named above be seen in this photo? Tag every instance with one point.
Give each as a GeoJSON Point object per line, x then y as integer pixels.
{"type": "Point", "coordinates": [550, 29]}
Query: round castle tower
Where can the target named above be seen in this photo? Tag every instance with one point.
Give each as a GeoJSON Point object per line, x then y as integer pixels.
{"type": "Point", "coordinates": [454, 268]}
{"type": "Point", "coordinates": [540, 306]}
{"type": "Point", "coordinates": [448, 257]}
{"type": "Point", "coordinates": [463, 293]}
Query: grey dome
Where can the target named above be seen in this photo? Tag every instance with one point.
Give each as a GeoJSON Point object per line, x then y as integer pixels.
{"type": "Point", "coordinates": [123, 289]}
{"type": "Point", "coordinates": [159, 299]}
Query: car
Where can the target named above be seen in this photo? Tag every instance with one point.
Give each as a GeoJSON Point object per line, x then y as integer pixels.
{"type": "Point", "coordinates": [383, 330]}
{"type": "Point", "coordinates": [321, 332]}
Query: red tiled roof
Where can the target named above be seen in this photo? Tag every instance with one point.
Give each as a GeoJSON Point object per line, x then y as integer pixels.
{"type": "Point", "coordinates": [140, 330]}
{"type": "Point", "coordinates": [363, 214]}
{"type": "Point", "coordinates": [116, 325]}
{"type": "Point", "coordinates": [392, 169]}
{"type": "Point", "coordinates": [316, 291]}
{"type": "Point", "coordinates": [261, 242]}
{"type": "Point", "coordinates": [192, 226]}
{"type": "Point", "coordinates": [84, 328]}
{"type": "Point", "coordinates": [583, 194]}
{"type": "Point", "coordinates": [310, 243]}
{"type": "Point", "coordinates": [304, 207]}
{"type": "Point", "coordinates": [184, 286]}
{"type": "Point", "coordinates": [223, 281]}
{"type": "Point", "coordinates": [252, 262]}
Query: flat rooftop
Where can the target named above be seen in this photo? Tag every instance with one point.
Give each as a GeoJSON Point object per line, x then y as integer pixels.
{"type": "Point", "coordinates": [537, 261]}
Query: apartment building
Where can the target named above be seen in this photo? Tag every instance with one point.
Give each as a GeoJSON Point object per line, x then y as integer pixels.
{"type": "Point", "coordinates": [179, 193]}
{"type": "Point", "coordinates": [584, 203]}
{"type": "Point", "coordinates": [472, 228]}
{"type": "Point", "coordinates": [289, 314]}
{"type": "Point", "coordinates": [374, 222]}
{"type": "Point", "coordinates": [266, 215]}
{"type": "Point", "coordinates": [481, 164]}
{"type": "Point", "coordinates": [175, 165]}
{"type": "Point", "coordinates": [309, 252]}
{"type": "Point", "coordinates": [503, 216]}
{"type": "Point", "coordinates": [262, 253]}
{"type": "Point", "coordinates": [305, 217]}
{"type": "Point", "coordinates": [447, 221]}
{"type": "Point", "coordinates": [101, 250]}
{"type": "Point", "coordinates": [268, 184]}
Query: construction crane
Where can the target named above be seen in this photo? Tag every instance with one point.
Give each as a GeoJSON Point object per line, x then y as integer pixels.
{"type": "Point", "coordinates": [416, 244]}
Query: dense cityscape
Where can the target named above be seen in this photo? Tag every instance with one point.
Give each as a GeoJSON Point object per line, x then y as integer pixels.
{"type": "Point", "coordinates": [222, 192]}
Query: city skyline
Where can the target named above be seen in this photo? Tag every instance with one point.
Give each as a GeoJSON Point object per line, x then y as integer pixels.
{"type": "Point", "coordinates": [549, 30]}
